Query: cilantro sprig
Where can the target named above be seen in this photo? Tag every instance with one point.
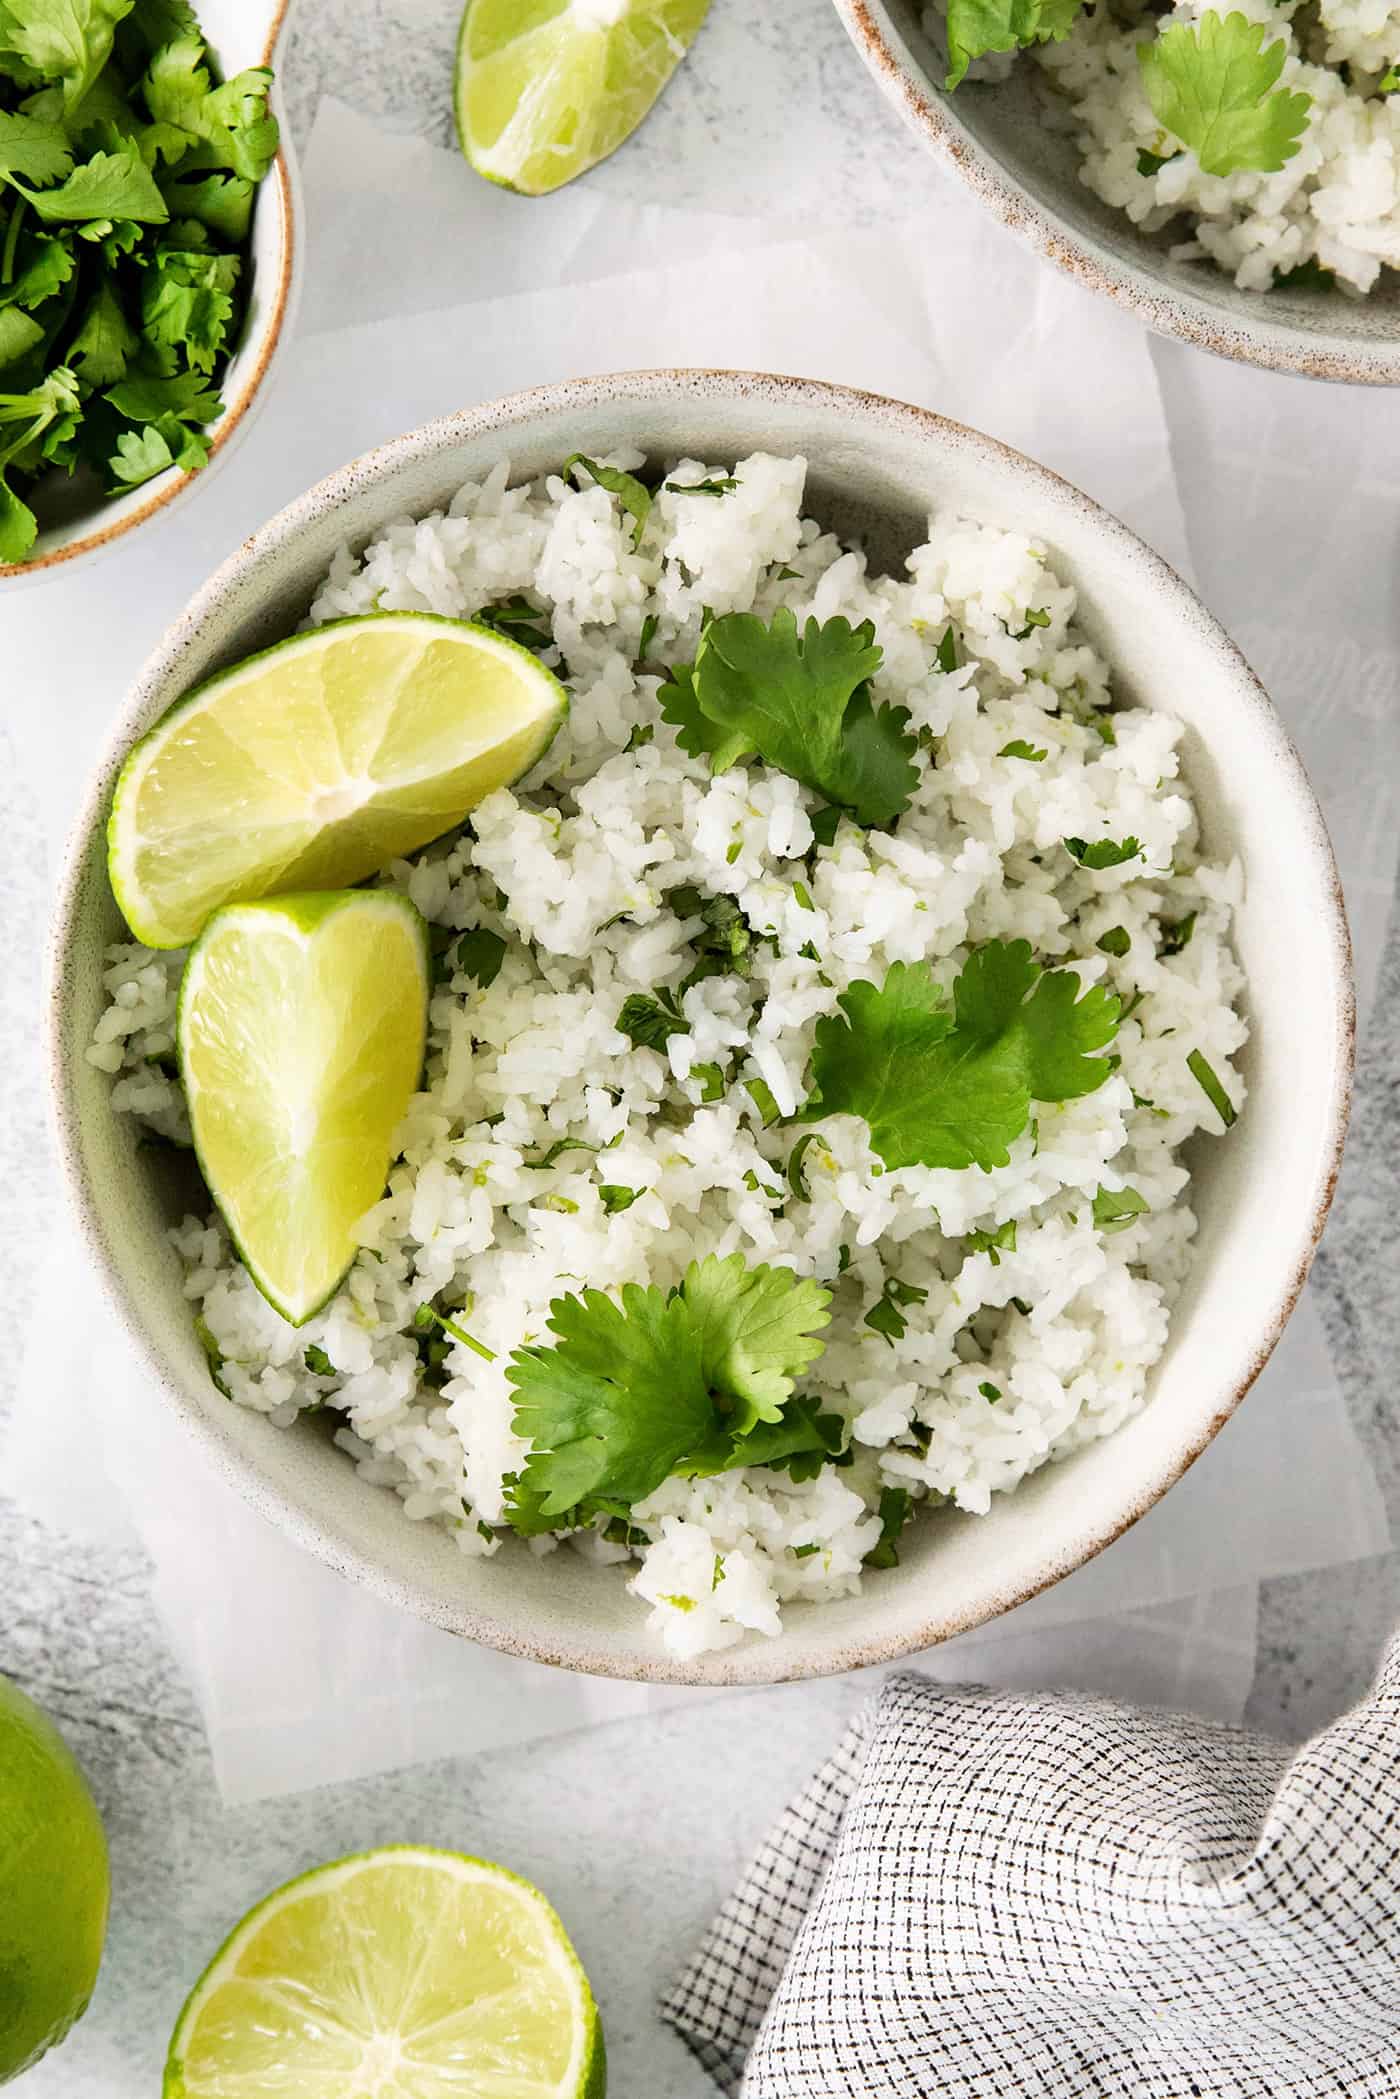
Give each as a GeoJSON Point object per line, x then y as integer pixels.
{"type": "Point", "coordinates": [127, 178]}
{"type": "Point", "coordinates": [695, 1381]}
{"type": "Point", "coordinates": [801, 702]}
{"type": "Point", "coordinates": [952, 1086]}
{"type": "Point", "coordinates": [1213, 86]}
{"type": "Point", "coordinates": [978, 26]}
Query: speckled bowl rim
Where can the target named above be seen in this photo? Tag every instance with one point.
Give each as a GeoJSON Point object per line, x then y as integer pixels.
{"type": "Point", "coordinates": [281, 187]}
{"type": "Point", "coordinates": [761, 1662]}
{"type": "Point", "coordinates": [1270, 345]}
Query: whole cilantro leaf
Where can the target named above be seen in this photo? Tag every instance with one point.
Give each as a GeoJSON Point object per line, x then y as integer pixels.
{"type": "Point", "coordinates": [634, 495]}
{"type": "Point", "coordinates": [44, 264]}
{"type": "Point", "coordinates": [800, 702]}
{"type": "Point", "coordinates": [105, 342]}
{"type": "Point", "coordinates": [66, 41]}
{"type": "Point", "coordinates": [758, 1331]}
{"type": "Point", "coordinates": [696, 1382]}
{"type": "Point", "coordinates": [1104, 852]}
{"type": "Point", "coordinates": [978, 26]}
{"type": "Point", "coordinates": [187, 303]}
{"type": "Point", "coordinates": [228, 125]}
{"type": "Point", "coordinates": [108, 186]}
{"type": "Point", "coordinates": [187, 396]}
{"type": "Point", "coordinates": [614, 1405]}
{"type": "Point", "coordinates": [39, 151]}
{"type": "Point", "coordinates": [1213, 87]}
{"type": "Point", "coordinates": [223, 203]}
{"type": "Point", "coordinates": [953, 1088]}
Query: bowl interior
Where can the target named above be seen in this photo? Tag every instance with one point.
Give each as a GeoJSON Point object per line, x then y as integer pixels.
{"type": "Point", "coordinates": [875, 471]}
{"type": "Point", "coordinates": [995, 135]}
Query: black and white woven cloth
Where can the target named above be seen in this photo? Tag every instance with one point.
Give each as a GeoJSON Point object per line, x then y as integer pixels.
{"type": "Point", "coordinates": [984, 1896]}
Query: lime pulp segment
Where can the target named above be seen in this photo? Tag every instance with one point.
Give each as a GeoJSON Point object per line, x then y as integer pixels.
{"type": "Point", "coordinates": [398, 1974]}
{"type": "Point", "coordinates": [314, 764]}
{"type": "Point", "coordinates": [547, 88]}
{"type": "Point", "coordinates": [302, 1024]}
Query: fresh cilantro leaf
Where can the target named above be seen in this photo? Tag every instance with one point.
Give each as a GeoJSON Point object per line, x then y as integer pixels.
{"type": "Point", "coordinates": [1153, 163]}
{"type": "Point", "coordinates": [895, 1511]}
{"type": "Point", "coordinates": [141, 454]}
{"type": "Point", "coordinates": [804, 1552]}
{"type": "Point", "coordinates": [616, 1199]}
{"type": "Point", "coordinates": [993, 1244]}
{"type": "Point", "coordinates": [801, 702]}
{"type": "Point", "coordinates": [38, 151]}
{"type": "Point", "coordinates": [1116, 941]}
{"type": "Point", "coordinates": [1204, 1075]}
{"type": "Point", "coordinates": [66, 41]}
{"type": "Point", "coordinates": [1034, 619]}
{"type": "Point", "coordinates": [1104, 852]}
{"type": "Point", "coordinates": [978, 26]}
{"type": "Point", "coordinates": [647, 636]}
{"type": "Point", "coordinates": [634, 495]}
{"type": "Point", "coordinates": [41, 267]}
{"type": "Point", "coordinates": [724, 946]}
{"type": "Point", "coordinates": [886, 1315]}
{"type": "Point", "coordinates": [825, 824]}
{"type": "Point", "coordinates": [800, 1443]}
{"type": "Point", "coordinates": [229, 124]}
{"type": "Point", "coordinates": [702, 488]}
{"type": "Point", "coordinates": [990, 1392]}
{"type": "Point", "coordinates": [33, 425]}
{"type": "Point", "coordinates": [953, 1088]}
{"type": "Point", "coordinates": [18, 335]}
{"type": "Point", "coordinates": [1309, 276]}
{"type": "Point", "coordinates": [649, 1023]}
{"type": "Point", "coordinates": [1212, 85]}
{"type": "Point", "coordinates": [318, 1362]}
{"type": "Point", "coordinates": [105, 341]}
{"type": "Point", "coordinates": [1115, 1208]}
{"type": "Point", "coordinates": [1019, 749]}
{"type": "Point", "coordinates": [480, 953]}
{"type": "Point", "coordinates": [1175, 938]}
{"type": "Point", "coordinates": [187, 303]}
{"type": "Point", "coordinates": [949, 655]}
{"type": "Point", "coordinates": [108, 186]}
{"type": "Point", "coordinates": [222, 203]}
{"type": "Point", "coordinates": [558, 1149]}
{"type": "Point", "coordinates": [631, 1392]}
{"type": "Point", "coordinates": [758, 1331]}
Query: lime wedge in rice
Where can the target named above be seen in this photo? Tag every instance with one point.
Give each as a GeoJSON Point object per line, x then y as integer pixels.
{"type": "Point", "coordinates": [301, 1030]}
{"type": "Point", "coordinates": [316, 763]}
{"type": "Point", "coordinates": [548, 88]}
{"type": "Point", "coordinates": [397, 1974]}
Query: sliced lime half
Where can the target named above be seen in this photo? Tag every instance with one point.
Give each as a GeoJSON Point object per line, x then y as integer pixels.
{"type": "Point", "coordinates": [547, 88]}
{"type": "Point", "coordinates": [301, 1029]}
{"type": "Point", "coordinates": [397, 1974]}
{"type": "Point", "coordinates": [319, 761]}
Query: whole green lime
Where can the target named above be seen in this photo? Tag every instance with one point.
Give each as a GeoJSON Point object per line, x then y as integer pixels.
{"type": "Point", "coordinates": [54, 1885]}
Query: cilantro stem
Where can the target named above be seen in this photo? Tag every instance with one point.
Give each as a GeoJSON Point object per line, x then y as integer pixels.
{"type": "Point", "coordinates": [426, 1314]}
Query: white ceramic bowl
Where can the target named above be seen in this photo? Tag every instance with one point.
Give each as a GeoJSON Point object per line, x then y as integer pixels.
{"type": "Point", "coordinates": [994, 137]}
{"type": "Point", "coordinates": [876, 467]}
{"type": "Point", "coordinates": [243, 33]}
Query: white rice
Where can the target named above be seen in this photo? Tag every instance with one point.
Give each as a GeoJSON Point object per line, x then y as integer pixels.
{"type": "Point", "coordinates": [574, 866]}
{"type": "Point", "coordinates": [1335, 204]}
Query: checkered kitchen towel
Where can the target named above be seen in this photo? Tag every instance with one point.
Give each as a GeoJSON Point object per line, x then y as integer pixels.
{"type": "Point", "coordinates": [984, 1896]}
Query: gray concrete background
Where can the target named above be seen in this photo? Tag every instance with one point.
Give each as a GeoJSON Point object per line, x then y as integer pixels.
{"type": "Point", "coordinates": [634, 1831]}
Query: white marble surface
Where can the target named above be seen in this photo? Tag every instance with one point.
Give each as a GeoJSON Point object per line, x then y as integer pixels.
{"type": "Point", "coordinates": [635, 1831]}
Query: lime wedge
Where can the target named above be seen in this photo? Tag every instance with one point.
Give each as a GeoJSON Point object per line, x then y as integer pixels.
{"type": "Point", "coordinates": [319, 761]}
{"type": "Point", "coordinates": [547, 88]}
{"type": "Point", "coordinates": [397, 1974]}
{"type": "Point", "coordinates": [301, 1030]}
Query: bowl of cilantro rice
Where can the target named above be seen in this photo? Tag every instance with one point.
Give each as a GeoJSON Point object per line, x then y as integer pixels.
{"type": "Point", "coordinates": [1226, 171]}
{"type": "Point", "coordinates": [148, 260]}
{"type": "Point", "coordinates": [883, 1066]}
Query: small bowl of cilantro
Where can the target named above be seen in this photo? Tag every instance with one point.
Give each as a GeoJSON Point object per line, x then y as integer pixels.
{"type": "Point", "coordinates": [1224, 171]}
{"type": "Point", "coordinates": [803, 1117]}
{"type": "Point", "coordinates": [146, 259]}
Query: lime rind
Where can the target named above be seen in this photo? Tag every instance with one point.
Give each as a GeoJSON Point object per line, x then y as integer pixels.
{"type": "Point", "coordinates": [306, 917]}
{"type": "Point", "coordinates": [539, 723]}
{"type": "Point", "coordinates": [586, 2074]}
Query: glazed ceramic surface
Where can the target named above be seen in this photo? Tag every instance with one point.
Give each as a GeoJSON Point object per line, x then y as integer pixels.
{"type": "Point", "coordinates": [241, 33]}
{"type": "Point", "coordinates": [994, 136]}
{"type": "Point", "coordinates": [876, 468]}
